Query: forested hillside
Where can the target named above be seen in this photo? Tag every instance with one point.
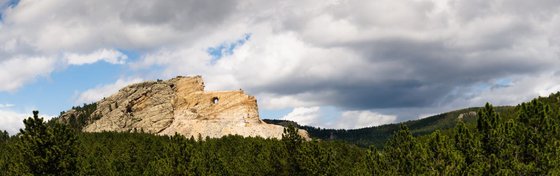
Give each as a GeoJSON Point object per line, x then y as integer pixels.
{"type": "Point", "coordinates": [378, 135]}
{"type": "Point", "coordinates": [523, 140]}
{"type": "Point", "coordinates": [51, 148]}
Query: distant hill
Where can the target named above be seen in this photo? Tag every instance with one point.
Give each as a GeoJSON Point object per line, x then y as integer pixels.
{"type": "Point", "coordinates": [377, 135]}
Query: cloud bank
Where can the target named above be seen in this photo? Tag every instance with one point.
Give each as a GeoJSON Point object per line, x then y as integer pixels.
{"type": "Point", "coordinates": [372, 60]}
{"type": "Point", "coordinates": [12, 121]}
{"type": "Point", "coordinates": [99, 92]}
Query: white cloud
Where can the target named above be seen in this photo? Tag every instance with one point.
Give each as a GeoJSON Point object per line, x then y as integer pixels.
{"type": "Point", "coordinates": [269, 101]}
{"type": "Point", "coordinates": [12, 121]}
{"type": "Point", "coordinates": [361, 119]}
{"type": "Point", "coordinates": [108, 55]}
{"type": "Point", "coordinates": [304, 115]}
{"type": "Point", "coordinates": [340, 54]}
{"type": "Point", "coordinates": [17, 71]}
{"type": "Point", "coordinates": [385, 54]}
{"type": "Point", "coordinates": [421, 116]}
{"type": "Point", "coordinates": [521, 89]}
{"type": "Point", "coordinates": [310, 55]}
{"type": "Point", "coordinates": [313, 116]}
{"type": "Point", "coordinates": [6, 105]}
{"type": "Point", "coordinates": [97, 93]}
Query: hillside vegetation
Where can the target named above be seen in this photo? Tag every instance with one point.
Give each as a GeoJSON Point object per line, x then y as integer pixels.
{"type": "Point", "coordinates": [521, 140]}
{"type": "Point", "coordinates": [378, 135]}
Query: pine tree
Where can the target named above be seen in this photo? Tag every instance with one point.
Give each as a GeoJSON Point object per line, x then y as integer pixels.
{"type": "Point", "coordinates": [467, 143]}
{"type": "Point", "coordinates": [443, 159]}
{"type": "Point", "coordinates": [375, 162]}
{"type": "Point", "coordinates": [293, 142]}
{"type": "Point", "coordinates": [405, 154]}
{"type": "Point", "coordinates": [4, 136]}
{"type": "Point", "coordinates": [48, 150]}
{"type": "Point", "coordinates": [488, 125]}
{"type": "Point", "coordinates": [307, 159]}
{"type": "Point", "coordinates": [179, 153]}
{"type": "Point", "coordinates": [540, 136]}
{"type": "Point", "coordinates": [292, 137]}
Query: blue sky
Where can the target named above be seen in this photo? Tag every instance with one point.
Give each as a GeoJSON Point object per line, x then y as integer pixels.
{"type": "Point", "coordinates": [7, 4]}
{"type": "Point", "coordinates": [334, 64]}
{"type": "Point", "coordinates": [58, 91]}
{"type": "Point", "coordinates": [225, 49]}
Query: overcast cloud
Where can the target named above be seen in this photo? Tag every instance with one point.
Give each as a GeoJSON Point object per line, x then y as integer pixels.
{"type": "Point", "coordinates": [381, 61]}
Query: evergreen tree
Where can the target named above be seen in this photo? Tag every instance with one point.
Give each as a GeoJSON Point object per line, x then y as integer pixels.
{"type": "Point", "coordinates": [468, 144]}
{"type": "Point", "coordinates": [443, 159]}
{"type": "Point", "coordinates": [488, 125]}
{"type": "Point", "coordinates": [4, 136]}
{"type": "Point", "coordinates": [375, 162]}
{"type": "Point", "coordinates": [47, 150]}
{"type": "Point", "coordinates": [308, 160]}
{"type": "Point", "coordinates": [539, 133]}
{"type": "Point", "coordinates": [404, 153]}
{"type": "Point", "coordinates": [291, 137]}
{"type": "Point", "coordinates": [179, 151]}
{"type": "Point", "coordinates": [293, 142]}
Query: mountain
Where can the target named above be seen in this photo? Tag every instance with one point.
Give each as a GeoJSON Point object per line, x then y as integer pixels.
{"type": "Point", "coordinates": [179, 105]}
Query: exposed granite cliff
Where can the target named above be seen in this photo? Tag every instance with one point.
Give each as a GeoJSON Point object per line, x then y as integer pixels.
{"type": "Point", "coordinates": [180, 105]}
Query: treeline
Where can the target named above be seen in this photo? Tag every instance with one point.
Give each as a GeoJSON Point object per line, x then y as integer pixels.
{"type": "Point", "coordinates": [378, 135]}
{"type": "Point", "coordinates": [525, 141]}
{"type": "Point", "coordinates": [54, 149]}
{"type": "Point", "coordinates": [82, 116]}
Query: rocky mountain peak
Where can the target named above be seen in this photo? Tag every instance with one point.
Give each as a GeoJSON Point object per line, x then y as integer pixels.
{"type": "Point", "coordinates": [180, 105]}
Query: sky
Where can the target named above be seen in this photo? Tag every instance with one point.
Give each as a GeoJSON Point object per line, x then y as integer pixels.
{"type": "Point", "coordinates": [331, 63]}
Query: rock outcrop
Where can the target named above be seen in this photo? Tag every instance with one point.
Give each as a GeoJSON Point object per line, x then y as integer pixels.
{"type": "Point", "coordinates": [467, 114]}
{"type": "Point", "coordinates": [180, 105]}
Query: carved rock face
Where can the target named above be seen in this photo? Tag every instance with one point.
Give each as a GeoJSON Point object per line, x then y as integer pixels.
{"type": "Point", "coordinates": [180, 105]}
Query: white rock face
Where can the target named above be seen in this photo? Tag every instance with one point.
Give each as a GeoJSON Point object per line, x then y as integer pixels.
{"type": "Point", "coordinates": [180, 105]}
{"type": "Point", "coordinates": [467, 114]}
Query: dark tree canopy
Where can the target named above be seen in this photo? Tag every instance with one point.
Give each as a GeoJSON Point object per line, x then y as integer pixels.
{"type": "Point", "coordinates": [521, 140]}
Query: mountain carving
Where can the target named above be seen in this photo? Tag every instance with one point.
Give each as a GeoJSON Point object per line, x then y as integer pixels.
{"type": "Point", "coordinates": [180, 105]}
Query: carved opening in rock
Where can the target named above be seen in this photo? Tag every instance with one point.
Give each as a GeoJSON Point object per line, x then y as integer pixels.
{"type": "Point", "coordinates": [215, 100]}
